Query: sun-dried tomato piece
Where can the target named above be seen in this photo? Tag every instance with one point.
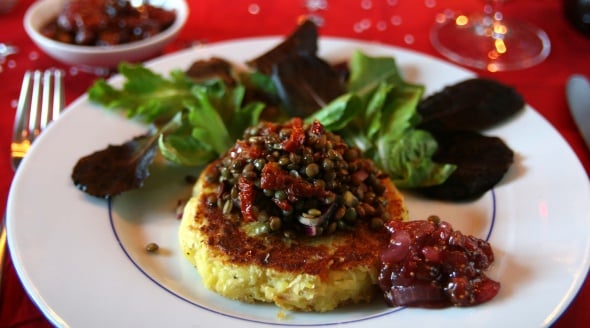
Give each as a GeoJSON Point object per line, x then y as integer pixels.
{"type": "Point", "coordinates": [247, 194]}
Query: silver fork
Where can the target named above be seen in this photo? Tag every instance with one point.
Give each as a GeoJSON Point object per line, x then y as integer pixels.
{"type": "Point", "coordinates": [41, 101]}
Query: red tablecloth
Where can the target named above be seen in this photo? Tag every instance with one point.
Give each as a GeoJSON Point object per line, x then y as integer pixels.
{"type": "Point", "coordinates": [396, 22]}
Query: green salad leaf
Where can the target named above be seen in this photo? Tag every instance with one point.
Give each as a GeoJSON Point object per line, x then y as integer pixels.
{"type": "Point", "coordinates": [179, 146]}
{"type": "Point", "coordinates": [196, 122]}
{"type": "Point", "coordinates": [202, 120]}
{"type": "Point", "coordinates": [217, 116]}
{"type": "Point", "coordinates": [383, 125]}
{"type": "Point", "coordinates": [145, 94]}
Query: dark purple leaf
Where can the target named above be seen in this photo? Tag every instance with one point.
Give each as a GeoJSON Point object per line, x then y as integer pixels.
{"type": "Point", "coordinates": [117, 168]}
{"type": "Point", "coordinates": [302, 41]}
{"type": "Point", "coordinates": [473, 104]}
{"type": "Point", "coordinates": [306, 83]}
{"type": "Point", "coordinates": [481, 163]}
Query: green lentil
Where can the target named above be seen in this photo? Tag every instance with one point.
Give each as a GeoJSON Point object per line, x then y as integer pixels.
{"type": "Point", "coordinates": [152, 247]}
{"type": "Point", "coordinates": [274, 223]}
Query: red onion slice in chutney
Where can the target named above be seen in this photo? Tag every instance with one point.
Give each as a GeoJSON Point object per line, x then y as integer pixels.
{"type": "Point", "coordinates": [417, 295]}
{"type": "Point", "coordinates": [398, 247]}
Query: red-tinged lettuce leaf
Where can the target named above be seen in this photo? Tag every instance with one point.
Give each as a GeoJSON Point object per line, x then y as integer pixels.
{"type": "Point", "coordinates": [117, 168]}
{"type": "Point", "coordinates": [302, 81]}
{"type": "Point", "coordinates": [306, 83]}
{"type": "Point", "coordinates": [212, 68]}
{"type": "Point", "coordinates": [302, 41]}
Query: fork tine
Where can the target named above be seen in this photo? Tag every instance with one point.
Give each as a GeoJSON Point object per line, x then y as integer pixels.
{"type": "Point", "coordinates": [40, 102]}
{"type": "Point", "coordinates": [34, 128]}
{"type": "Point", "coordinates": [59, 99]}
{"type": "Point", "coordinates": [24, 102]}
{"type": "Point", "coordinates": [46, 99]}
{"type": "Point", "coordinates": [52, 100]}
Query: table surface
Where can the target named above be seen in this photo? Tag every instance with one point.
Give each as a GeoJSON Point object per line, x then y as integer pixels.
{"type": "Point", "coordinates": [395, 22]}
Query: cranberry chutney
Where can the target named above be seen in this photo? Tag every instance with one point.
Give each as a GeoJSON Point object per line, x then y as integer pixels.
{"type": "Point", "coordinates": [429, 264]}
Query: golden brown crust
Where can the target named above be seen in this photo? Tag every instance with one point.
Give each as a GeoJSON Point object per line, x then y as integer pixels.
{"type": "Point", "coordinates": [310, 255]}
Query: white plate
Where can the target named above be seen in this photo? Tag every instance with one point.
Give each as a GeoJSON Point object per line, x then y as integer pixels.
{"type": "Point", "coordinates": [86, 268]}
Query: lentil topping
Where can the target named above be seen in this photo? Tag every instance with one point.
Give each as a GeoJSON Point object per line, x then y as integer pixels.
{"type": "Point", "coordinates": [297, 178]}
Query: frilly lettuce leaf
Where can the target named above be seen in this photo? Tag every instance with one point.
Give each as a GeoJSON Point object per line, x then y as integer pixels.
{"type": "Point", "coordinates": [145, 94]}
{"type": "Point", "coordinates": [179, 146]}
{"type": "Point", "coordinates": [201, 120]}
{"type": "Point", "coordinates": [383, 125]}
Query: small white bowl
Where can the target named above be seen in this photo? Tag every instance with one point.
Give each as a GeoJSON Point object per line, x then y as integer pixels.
{"type": "Point", "coordinates": [7, 5]}
{"type": "Point", "coordinates": [41, 12]}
